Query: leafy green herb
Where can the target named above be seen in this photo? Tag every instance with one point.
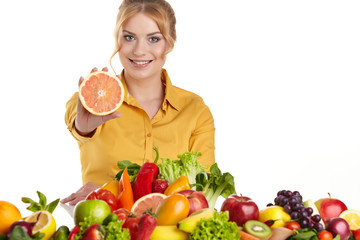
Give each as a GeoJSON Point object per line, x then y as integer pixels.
{"type": "Point", "coordinates": [304, 234]}
{"type": "Point", "coordinates": [217, 227]}
{"type": "Point", "coordinates": [214, 184]}
{"type": "Point", "coordinates": [18, 233]}
{"type": "Point", "coordinates": [88, 221]}
{"type": "Point", "coordinates": [41, 205]}
{"type": "Point", "coordinates": [187, 165]}
{"type": "Point", "coordinates": [114, 231]}
{"type": "Point", "coordinates": [338, 237]}
{"type": "Point", "coordinates": [132, 169]}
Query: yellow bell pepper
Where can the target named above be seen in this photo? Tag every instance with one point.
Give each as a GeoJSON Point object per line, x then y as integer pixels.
{"type": "Point", "coordinates": [180, 184]}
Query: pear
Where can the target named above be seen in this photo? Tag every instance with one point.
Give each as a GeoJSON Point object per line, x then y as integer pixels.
{"type": "Point", "coordinates": [310, 203]}
{"type": "Point", "coordinates": [189, 223]}
{"type": "Point", "coordinates": [281, 233]}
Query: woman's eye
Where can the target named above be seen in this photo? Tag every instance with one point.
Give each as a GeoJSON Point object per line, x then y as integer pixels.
{"type": "Point", "coordinates": [128, 37]}
{"type": "Point", "coordinates": [154, 39]}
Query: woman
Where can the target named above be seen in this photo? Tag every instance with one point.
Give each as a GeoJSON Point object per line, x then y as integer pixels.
{"type": "Point", "coordinates": [154, 113]}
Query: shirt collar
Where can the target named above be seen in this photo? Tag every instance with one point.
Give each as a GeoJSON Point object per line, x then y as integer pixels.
{"type": "Point", "coordinates": [170, 97]}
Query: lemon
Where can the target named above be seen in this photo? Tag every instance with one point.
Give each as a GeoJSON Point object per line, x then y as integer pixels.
{"type": "Point", "coordinates": [276, 213]}
{"type": "Point", "coordinates": [46, 223]}
{"type": "Point", "coordinates": [352, 217]}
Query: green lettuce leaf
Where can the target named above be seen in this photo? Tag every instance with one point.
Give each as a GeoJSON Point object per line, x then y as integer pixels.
{"type": "Point", "coordinates": [187, 165]}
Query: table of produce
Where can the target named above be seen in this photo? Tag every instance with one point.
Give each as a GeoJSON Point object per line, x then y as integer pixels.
{"type": "Point", "coordinates": [175, 199]}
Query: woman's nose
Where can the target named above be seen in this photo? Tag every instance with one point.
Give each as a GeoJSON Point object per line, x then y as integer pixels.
{"type": "Point", "coordinates": [140, 48]}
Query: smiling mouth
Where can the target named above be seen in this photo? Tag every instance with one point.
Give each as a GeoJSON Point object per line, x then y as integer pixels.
{"type": "Point", "coordinates": [141, 62]}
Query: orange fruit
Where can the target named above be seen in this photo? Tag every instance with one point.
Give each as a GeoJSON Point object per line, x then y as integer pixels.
{"type": "Point", "coordinates": [352, 217]}
{"type": "Point", "coordinates": [8, 215]}
{"type": "Point", "coordinates": [101, 93]}
{"type": "Point", "coordinates": [147, 202]}
{"type": "Point", "coordinates": [112, 186]}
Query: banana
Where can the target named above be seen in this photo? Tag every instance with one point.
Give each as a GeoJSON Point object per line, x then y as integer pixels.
{"type": "Point", "coordinates": [167, 233]}
{"type": "Point", "coordinates": [189, 224]}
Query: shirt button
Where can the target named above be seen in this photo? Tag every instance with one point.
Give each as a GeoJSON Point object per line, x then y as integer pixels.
{"type": "Point", "coordinates": [149, 135]}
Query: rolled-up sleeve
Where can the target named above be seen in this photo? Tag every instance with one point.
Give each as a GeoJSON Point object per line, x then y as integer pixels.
{"type": "Point", "coordinates": [70, 116]}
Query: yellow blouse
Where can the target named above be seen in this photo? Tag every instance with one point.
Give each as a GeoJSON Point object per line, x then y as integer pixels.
{"type": "Point", "coordinates": [183, 123]}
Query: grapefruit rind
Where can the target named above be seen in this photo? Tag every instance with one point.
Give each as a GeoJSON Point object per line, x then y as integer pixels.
{"type": "Point", "coordinates": [143, 203]}
{"type": "Point", "coordinates": [101, 93]}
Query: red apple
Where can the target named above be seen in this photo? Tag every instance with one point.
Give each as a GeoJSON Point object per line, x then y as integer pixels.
{"type": "Point", "coordinates": [241, 209]}
{"type": "Point", "coordinates": [338, 226]}
{"type": "Point", "coordinates": [196, 199]}
{"type": "Point", "coordinates": [329, 208]}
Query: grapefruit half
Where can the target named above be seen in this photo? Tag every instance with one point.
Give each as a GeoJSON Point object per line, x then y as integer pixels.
{"type": "Point", "coordinates": [101, 93]}
{"type": "Point", "coordinates": [147, 202]}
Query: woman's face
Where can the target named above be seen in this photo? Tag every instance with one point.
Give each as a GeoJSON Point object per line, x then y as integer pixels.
{"type": "Point", "coordinates": [142, 47]}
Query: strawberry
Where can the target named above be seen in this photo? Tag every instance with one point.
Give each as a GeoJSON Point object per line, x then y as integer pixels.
{"type": "Point", "coordinates": [94, 232]}
{"type": "Point", "coordinates": [147, 224]}
{"type": "Point", "coordinates": [159, 185]}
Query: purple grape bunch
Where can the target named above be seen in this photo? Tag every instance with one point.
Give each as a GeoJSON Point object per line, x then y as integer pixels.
{"type": "Point", "coordinates": [292, 203]}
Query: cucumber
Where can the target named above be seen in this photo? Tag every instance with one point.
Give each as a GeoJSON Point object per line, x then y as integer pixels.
{"type": "Point", "coordinates": [62, 233]}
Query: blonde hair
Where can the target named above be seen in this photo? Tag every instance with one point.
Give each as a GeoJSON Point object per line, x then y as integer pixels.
{"type": "Point", "coordinates": [158, 10]}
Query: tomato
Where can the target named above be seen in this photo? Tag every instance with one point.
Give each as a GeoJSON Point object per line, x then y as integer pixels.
{"type": "Point", "coordinates": [325, 235]}
{"type": "Point", "coordinates": [132, 223]}
{"type": "Point", "coordinates": [172, 209]}
{"type": "Point", "coordinates": [105, 195]}
{"type": "Point", "coordinates": [292, 225]}
{"type": "Point", "coordinates": [108, 197]}
{"type": "Point", "coordinates": [356, 234]}
{"type": "Point", "coordinates": [91, 196]}
{"type": "Point", "coordinates": [112, 186]}
{"type": "Point", "coordinates": [122, 214]}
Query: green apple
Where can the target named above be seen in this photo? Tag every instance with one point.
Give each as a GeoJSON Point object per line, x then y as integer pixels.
{"type": "Point", "coordinates": [97, 209]}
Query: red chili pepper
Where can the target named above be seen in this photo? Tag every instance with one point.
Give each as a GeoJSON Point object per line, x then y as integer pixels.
{"type": "Point", "coordinates": [73, 232]}
{"type": "Point", "coordinates": [147, 224]}
{"type": "Point", "coordinates": [145, 177]}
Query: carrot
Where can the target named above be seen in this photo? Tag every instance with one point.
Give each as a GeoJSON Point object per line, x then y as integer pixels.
{"type": "Point", "coordinates": [247, 236]}
{"type": "Point", "coordinates": [126, 197]}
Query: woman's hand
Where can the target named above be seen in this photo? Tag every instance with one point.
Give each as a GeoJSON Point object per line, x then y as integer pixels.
{"type": "Point", "coordinates": [80, 194]}
{"type": "Point", "coordinates": [85, 122]}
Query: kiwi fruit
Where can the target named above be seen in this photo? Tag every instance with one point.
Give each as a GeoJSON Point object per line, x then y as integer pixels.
{"type": "Point", "coordinates": [258, 229]}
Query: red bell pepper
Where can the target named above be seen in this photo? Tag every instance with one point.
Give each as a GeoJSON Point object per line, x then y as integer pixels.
{"type": "Point", "coordinates": [145, 177]}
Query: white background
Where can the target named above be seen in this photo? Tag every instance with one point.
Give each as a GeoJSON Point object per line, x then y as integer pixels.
{"type": "Point", "coordinates": [281, 79]}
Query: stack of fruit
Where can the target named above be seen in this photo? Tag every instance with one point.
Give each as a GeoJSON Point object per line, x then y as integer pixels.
{"type": "Point", "coordinates": [152, 202]}
{"type": "Point", "coordinates": [38, 225]}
